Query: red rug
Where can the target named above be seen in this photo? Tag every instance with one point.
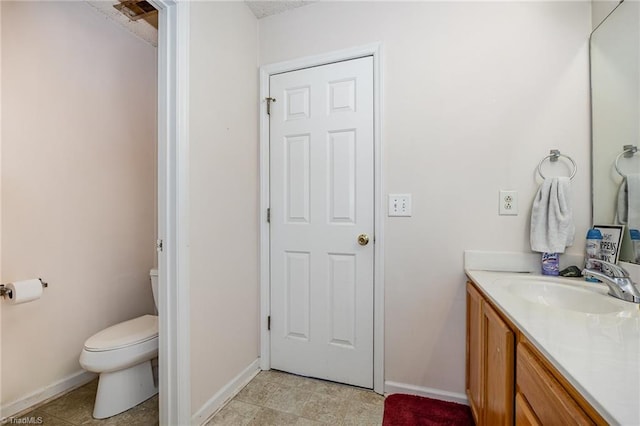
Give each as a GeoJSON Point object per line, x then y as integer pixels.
{"type": "Point", "coordinates": [410, 410]}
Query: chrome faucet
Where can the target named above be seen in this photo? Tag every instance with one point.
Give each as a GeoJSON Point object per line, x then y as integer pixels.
{"type": "Point", "coordinates": [617, 279]}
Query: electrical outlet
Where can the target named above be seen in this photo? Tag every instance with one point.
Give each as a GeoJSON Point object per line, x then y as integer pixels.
{"type": "Point", "coordinates": [399, 204]}
{"type": "Point", "coordinates": [508, 203]}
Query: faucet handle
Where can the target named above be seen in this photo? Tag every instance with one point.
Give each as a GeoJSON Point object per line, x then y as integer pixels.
{"type": "Point", "coordinates": [611, 269]}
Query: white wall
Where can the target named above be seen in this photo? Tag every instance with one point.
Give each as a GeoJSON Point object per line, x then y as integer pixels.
{"type": "Point", "coordinates": [223, 177]}
{"type": "Point", "coordinates": [474, 96]}
{"type": "Point", "coordinates": [1, 394]}
{"type": "Point", "coordinates": [600, 9]}
{"type": "Point", "coordinates": [1, 397]}
{"type": "Point", "coordinates": [78, 184]}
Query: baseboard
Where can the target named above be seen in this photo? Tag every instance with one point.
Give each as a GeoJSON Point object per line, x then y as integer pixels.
{"type": "Point", "coordinates": [45, 394]}
{"type": "Point", "coordinates": [395, 387]}
{"type": "Point", "coordinates": [227, 392]}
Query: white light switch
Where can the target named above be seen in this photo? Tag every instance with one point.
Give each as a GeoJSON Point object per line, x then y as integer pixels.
{"type": "Point", "coordinates": [399, 204]}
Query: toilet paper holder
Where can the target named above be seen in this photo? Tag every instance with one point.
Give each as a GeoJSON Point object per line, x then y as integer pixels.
{"type": "Point", "coordinates": [4, 291]}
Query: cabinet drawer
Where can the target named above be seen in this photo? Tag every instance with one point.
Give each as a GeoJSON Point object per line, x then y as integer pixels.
{"type": "Point", "coordinates": [549, 401]}
{"type": "Point", "coordinates": [524, 414]}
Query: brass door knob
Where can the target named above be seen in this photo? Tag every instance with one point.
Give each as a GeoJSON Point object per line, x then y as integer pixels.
{"type": "Point", "coordinates": [363, 239]}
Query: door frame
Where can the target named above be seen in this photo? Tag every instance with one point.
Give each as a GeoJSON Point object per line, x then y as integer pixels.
{"type": "Point", "coordinates": [266, 71]}
{"type": "Point", "coordinates": [172, 173]}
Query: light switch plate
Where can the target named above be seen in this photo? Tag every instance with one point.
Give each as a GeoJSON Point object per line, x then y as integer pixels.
{"type": "Point", "coordinates": [399, 204]}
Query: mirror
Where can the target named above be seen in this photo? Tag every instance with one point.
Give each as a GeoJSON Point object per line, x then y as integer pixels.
{"type": "Point", "coordinates": [615, 105]}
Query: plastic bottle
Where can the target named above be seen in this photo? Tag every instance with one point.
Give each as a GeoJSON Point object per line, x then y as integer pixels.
{"type": "Point", "coordinates": [550, 264]}
{"type": "Point", "coordinates": [592, 251]}
{"type": "Point", "coordinates": [635, 242]}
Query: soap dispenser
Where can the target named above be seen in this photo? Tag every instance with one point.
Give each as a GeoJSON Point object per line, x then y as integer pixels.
{"type": "Point", "coordinates": [592, 251]}
{"type": "Point", "coordinates": [635, 243]}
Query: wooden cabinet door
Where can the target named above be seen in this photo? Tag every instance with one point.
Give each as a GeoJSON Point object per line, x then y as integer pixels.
{"type": "Point", "coordinates": [499, 366]}
{"type": "Point", "coordinates": [474, 352]}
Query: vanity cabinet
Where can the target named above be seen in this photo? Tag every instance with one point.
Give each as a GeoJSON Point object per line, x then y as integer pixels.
{"type": "Point", "coordinates": [524, 413]}
{"type": "Point", "coordinates": [490, 363]}
{"type": "Point", "coordinates": [509, 381]}
{"type": "Point", "coordinates": [474, 352]}
{"type": "Point", "coordinates": [541, 396]}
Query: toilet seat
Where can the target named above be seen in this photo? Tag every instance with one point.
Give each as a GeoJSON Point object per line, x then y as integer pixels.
{"type": "Point", "coordinates": [121, 346]}
{"type": "Point", "coordinates": [124, 334]}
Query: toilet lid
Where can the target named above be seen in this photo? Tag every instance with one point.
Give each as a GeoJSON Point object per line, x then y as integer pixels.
{"type": "Point", "coordinates": [124, 334]}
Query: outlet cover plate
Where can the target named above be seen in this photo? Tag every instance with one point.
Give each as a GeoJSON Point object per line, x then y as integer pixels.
{"type": "Point", "coordinates": [399, 204]}
{"type": "Point", "coordinates": [508, 203]}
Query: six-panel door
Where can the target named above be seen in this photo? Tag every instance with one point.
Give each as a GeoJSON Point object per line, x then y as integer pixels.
{"type": "Point", "coordinates": [322, 200]}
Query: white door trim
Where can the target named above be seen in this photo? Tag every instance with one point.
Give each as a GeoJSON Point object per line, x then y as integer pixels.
{"type": "Point", "coordinates": [266, 71]}
{"type": "Point", "coordinates": [173, 163]}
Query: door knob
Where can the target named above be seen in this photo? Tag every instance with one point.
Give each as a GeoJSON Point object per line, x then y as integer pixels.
{"type": "Point", "coordinates": [363, 239]}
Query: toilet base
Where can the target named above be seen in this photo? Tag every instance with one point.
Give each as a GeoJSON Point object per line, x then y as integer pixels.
{"type": "Point", "coordinates": [123, 389]}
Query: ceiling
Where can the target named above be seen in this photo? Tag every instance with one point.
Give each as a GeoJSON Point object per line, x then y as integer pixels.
{"type": "Point", "coordinates": [141, 28]}
{"type": "Point", "coordinates": [265, 8]}
{"type": "Point", "coordinates": [146, 28]}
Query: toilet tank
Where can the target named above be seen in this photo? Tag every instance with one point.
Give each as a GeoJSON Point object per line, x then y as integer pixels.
{"type": "Point", "coordinates": [154, 285]}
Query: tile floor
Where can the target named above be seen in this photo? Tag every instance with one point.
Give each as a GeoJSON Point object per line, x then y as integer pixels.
{"type": "Point", "coordinates": [76, 407]}
{"type": "Point", "coordinates": [271, 398]}
{"type": "Point", "coordinates": [278, 399]}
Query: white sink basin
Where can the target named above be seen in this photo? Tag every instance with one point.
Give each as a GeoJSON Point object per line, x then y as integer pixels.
{"type": "Point", "coordinates": [572, 297]}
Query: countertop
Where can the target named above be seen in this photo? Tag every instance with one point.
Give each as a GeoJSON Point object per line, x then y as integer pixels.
{"type": "Point", "coordinates": [599, 354]}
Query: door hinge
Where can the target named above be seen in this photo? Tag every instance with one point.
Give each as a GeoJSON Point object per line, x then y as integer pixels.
{"type": "Point", "coordinates": [159, 245]}
{"type": "Point", "coordinates": [269, 100]}
{"type": "Point", "coordinates": [269, 322]}
{"type": "Point", "coordinates": [269, 215]}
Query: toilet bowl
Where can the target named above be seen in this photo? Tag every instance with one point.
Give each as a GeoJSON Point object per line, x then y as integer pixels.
{"type": "Point", "coordinates": [122, 355]}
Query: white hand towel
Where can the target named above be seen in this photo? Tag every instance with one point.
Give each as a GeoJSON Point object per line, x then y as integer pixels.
{"type": "Point", "coordinates": [552, 227]}
{"type": "Point", "coordinates": [633, 200]}
{"type": "Point", "coordinates": [628, 202]}
{"type": "Point", "coordinates": [622, 203]}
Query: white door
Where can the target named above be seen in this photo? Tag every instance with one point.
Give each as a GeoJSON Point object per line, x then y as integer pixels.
{"type": "Point", "coordinates": [322, 200]}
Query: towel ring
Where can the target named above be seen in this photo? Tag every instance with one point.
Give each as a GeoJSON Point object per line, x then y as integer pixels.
{"type": "Point", "coordinates": [553, 156]}
{"type": "Point", "coordinates": [628, 151]}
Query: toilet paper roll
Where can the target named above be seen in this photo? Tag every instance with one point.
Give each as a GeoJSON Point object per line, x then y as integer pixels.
{"type": "Point", "coordinates": [25, 291]}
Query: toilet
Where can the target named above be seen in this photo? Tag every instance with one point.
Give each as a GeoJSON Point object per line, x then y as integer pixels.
{"type": "Point", "coordinates": [122, 355]}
